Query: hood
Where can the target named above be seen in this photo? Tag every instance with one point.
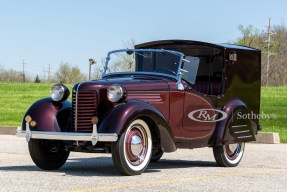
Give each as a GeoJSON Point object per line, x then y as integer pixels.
{"type": "Point", "coordinates": [129, 83]}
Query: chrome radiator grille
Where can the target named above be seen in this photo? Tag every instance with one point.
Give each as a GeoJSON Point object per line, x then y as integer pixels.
{"type": "Point", "coordinates": [84, 108]}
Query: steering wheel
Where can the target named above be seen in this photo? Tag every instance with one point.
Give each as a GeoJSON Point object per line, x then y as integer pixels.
{"type": "Point", "coordinates": [165, 69]}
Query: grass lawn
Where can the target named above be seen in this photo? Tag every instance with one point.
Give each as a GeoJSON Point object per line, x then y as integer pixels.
{"type": "Point", "coordinates": [274, 103]}
{"type": "Point", "coordinates": [15, 98]}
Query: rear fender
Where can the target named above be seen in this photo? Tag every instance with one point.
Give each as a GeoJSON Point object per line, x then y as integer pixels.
{"type": "Point", "coordinates": [123, 114]}
{"type": "Point", "coordinates": [50, 115]}
{"type": "Point", "coordinates": [228, 131]}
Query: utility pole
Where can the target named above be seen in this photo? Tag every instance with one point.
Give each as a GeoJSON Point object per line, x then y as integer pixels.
{"type": "Point", "coordinates": [49, 73]}
{"type": "Point", "coordinates": [269, 33]}
{"type": "Point", "coordinates": [23, 64]}
{"type": "Point", "coordinates": [44, 70]}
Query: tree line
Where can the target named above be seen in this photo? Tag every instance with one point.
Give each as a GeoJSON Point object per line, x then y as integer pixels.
{"type": "Point", "coordinates": [65, 74]}
{"type": "Point", "coordinates": [252, 37]}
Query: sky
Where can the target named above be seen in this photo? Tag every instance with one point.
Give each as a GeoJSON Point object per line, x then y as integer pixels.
{"type": "Point", "coordinates": [56, 31]}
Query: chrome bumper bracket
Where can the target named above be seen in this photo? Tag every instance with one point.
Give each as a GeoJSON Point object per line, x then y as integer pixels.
{"type": "Point", "coordinates": [28, 132]}
{"type": "Point", "coordinates": [94, 135]}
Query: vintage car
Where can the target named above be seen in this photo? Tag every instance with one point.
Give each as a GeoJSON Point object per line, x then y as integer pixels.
{"type": "Point", "coordinates": [158, 97]}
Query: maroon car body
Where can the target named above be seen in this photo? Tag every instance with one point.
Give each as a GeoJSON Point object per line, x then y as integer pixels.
{"type": "Point", "coordinates": [211, 112]}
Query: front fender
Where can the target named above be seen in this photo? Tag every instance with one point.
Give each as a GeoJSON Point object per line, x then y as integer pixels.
{"type": "Point", "coordinates": [123, 114]}
{"type": "Point", "coordinates": [50, 115]}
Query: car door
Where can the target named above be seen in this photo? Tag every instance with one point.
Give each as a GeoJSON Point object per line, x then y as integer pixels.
{"type": "Point", "coordinates": [199, 116]}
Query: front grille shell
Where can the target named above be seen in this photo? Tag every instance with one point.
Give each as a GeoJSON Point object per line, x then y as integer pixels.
{"type": "Point", "coordinates": [84, 104]}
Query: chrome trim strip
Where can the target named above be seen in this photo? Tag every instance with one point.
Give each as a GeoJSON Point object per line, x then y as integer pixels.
{"type": "Point", "coordinates": [239, 126]}
{"type": "Point", "coordinates": [148, 94]}
{"type": "Point", "coordinates": [243, 137]}
{"type": "Point", "coordinates": [76, 108]}
{"type": "Point", "coordinates": [146, 97]}
{"type": "Point", "coordinates": [246, 131]}
{"type": "Point", "coordinates": [151, 100]}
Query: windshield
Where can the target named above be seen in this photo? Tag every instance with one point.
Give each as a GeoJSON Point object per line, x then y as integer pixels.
{"type": "Point", "coordinates": [144, 60]}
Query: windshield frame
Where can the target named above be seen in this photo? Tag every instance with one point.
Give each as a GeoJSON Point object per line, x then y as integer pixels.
{"type": "Point", "coordinates": [179, 54]}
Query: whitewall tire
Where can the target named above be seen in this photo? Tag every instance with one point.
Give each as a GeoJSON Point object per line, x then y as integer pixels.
{"type": "Point", "coordinates": [132, 152]}
{"type": "Point", "coordinates": [229, 155]}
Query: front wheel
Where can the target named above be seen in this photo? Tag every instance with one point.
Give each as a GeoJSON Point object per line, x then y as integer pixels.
{"type": "Point", "coordinates": [48, 155]}
{"type": "Point", "coordinates": [132, 152]}
{"type": "Point", "coordinates": [156, 155]}
{"type": "Point", "coordinates": [228, 155]}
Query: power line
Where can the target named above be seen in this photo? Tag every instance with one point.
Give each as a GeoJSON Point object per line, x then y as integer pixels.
{"type": "Point", "coordinates": [48, 76]}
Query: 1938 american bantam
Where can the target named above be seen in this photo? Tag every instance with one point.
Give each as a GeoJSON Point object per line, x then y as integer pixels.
{"type": "Point", "coordinates": [158, 97]}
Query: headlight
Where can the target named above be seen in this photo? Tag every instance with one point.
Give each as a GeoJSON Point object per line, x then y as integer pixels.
{"type": "Point", "coordinates": [115, 93]}
{"type": "Point", "coordinates": [59, 92]}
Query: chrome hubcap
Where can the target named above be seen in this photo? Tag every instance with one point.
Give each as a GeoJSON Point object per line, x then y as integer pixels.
{"type": "Point", "coordinates": [233, 147]}
{"type": "Point", "coordinates": [136, 145]}
{"type": "Point", "coordinates": [234, 152]}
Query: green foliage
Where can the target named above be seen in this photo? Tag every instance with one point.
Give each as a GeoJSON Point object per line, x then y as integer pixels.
{"type": "Point", "coordinates": [69, 74]}
{"type": "Point", "coordinates": [17, 97]}
{"type": "Point", "coordinates": [252, 37]}
{"type": "Point", "coordinates": [63, 73]}
{"type": "Point", "coordinates": [121, 62]}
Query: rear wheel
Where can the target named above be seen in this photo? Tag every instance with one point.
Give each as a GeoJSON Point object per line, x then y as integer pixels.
{"type": "Point", "coordinates": [132, 152]}
{"type": "Point", "coordinates": [229, 155]}
{"type": "Point", "coordinates": [48, 155]}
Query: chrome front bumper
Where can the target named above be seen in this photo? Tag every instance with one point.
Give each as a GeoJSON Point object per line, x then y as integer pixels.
{"type": "Point", "coordinates": [94, 137]}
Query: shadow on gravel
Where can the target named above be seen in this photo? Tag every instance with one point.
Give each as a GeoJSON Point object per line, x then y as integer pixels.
{"type": "Point", "coordinates": [103, 166]}
{"type": "Point", "coordinates": [178, 164]}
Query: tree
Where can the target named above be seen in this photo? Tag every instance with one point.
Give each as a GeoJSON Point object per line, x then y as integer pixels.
{"type": "Point", "coordinates": [37, 79]}
{"type": "Point", "coordinates": [250, 36]}
{"type": "Point", "coordinates": [120, 61]}
{"type": "Point", "coordinates": [278, 59]}
{"type": "Point", "coordinates": [129, 44]}
{"type": "Point", "coordinates": [62, 74]}
{"type": "Point", "coordinates": [69, 74]}
{"type": "Point", "coordinates": [12, 76]}
{"type": "Point", "coordinates": [99, 68]}
{"type": "Point", "coordinates": [76, 75]}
